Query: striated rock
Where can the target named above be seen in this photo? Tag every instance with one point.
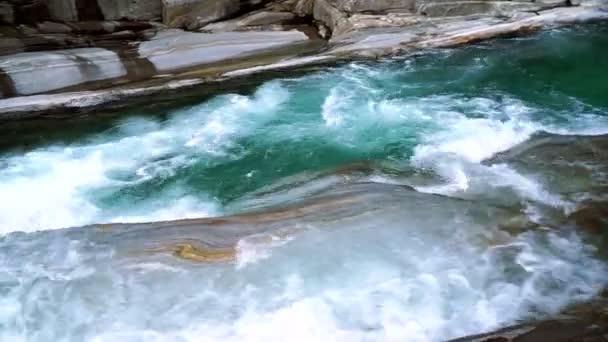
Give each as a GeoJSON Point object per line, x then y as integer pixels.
{"type": "Point", "coordinates": [174, 49]}
{"type": "Point", "coordinates": [194, 14]}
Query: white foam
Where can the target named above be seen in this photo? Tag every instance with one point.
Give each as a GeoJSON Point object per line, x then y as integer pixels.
{"type": "Point", "coordinates": [257, 247]}
{"type": "Point", "coordinates": [439, 295]}
{"type": "Point", "coordinates": [474, 140]}
{"type": "Point", "coordinates": [456, 151]}
{"type": "Point", "coordinates": [54, 187]}
{"type": "Point", "coordinates": [239, 116]}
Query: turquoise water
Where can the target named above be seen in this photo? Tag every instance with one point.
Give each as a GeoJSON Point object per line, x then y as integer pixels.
{"type": "Point", "coordinates": [429, 121]}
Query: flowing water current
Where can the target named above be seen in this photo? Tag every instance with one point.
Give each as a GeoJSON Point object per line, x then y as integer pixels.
{"type": "Point", "coordinates": [414, 199]}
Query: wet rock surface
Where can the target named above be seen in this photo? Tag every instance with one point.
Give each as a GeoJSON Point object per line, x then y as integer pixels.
{"type": "Point", "coordinates": [360, 205]}
{"type": "Point", "coordinates": [586, 322]}
{"type": "Point", "coordinates": [567, 160]}
{"type": "Point", "coordinates": [123, 46]}
{"type": "Point", "coordinates": [576, 167]}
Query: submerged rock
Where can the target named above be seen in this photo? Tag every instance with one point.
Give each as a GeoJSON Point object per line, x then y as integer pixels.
{"type": "Point", "coordinates": [565, 330]}
{"type": "Point", "coordinates": [585, 322]}
{"type": "Point", "coordinates": [569, 164]}
{"type": "Point", "coordinates": [360, 206]}
{"type": "Point", "coordinates": [575, 167]}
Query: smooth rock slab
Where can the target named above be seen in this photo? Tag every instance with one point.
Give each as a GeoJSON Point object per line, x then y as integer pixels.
{"type": "Point", "coordinates": [38, 72]}
{"type": "Point", "coordinates": [172, 50]}
{"type": "Point", "coordinates": [362, 205]}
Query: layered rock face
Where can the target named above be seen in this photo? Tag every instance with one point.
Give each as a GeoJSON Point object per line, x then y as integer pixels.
{"type": "Point", "coordinates": [194, 14]}
{"type": "Point", "coordinates": [187, 13]}
{"type": "Point", "coordinates": [74, 45]}
{"type": "Point", "coordinates": [32, 11]}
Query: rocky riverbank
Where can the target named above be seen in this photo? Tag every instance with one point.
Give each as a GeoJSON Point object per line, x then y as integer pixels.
{"type": "Point", "coordinates": [77, 56]}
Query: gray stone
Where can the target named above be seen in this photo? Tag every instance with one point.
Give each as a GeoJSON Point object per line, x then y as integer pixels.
{"type": "Point", "coordinates": [62, 10]}
{"type": "Point", "coordinates": [465, 8]}
{"type": "Point", "coordinates": [7, 14]}
{"type": "Point", "coordinates": [373, 5]}
{"type": "Point", "coordinates": [52, 27]}
{"type": "Point", "coordinates": [11, 45]}
{"type": "Point", "coordinates": [222, 26]}
{"type": "Point", "coordinates": [281, 6]}
{"type": "Point", "coordinates": [38, 72]}
{"type": "Point", "coordinates": [93, 27]}
{"type": "Point", "coordinates": [194, 14]}
{"type": "Point", "coordinates": [266, 18]}
{"type": "Point", "coordinates": [304, 7]}
{"type": "Point", "coordinates": [262, 20]}
{"type": "Point", "coordinates": [130, 9]}
{"type": "Point", "coordinates": [326, 13]}
{"type": "Point", "coordinates": [172, 50]}
{"type": "Point", "coordinates": [342, 23]}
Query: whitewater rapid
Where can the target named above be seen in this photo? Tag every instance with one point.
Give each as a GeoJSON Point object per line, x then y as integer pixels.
{"type": "Point", "coordinates": [448, 134]}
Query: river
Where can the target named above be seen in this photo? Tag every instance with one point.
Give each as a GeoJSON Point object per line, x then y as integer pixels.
{"type": "Point", "coordinates": [434, 196]}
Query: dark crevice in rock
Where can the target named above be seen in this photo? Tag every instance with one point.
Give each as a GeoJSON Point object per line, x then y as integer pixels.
{"type": "Point", "coordinates": [307, 25]}
{"type": "Point", "coordinates": [245, 7]}
{"type": "Point", "coordinates": [86, 67]}
{"type": "Point", "coordinates": [88, 10]}
{"type": "Point", "coordinates": [138, 68]}
{"type": "Point", "coordinates": [7, 87]}
{"type": "Point", "coordinates": [30, 11]}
